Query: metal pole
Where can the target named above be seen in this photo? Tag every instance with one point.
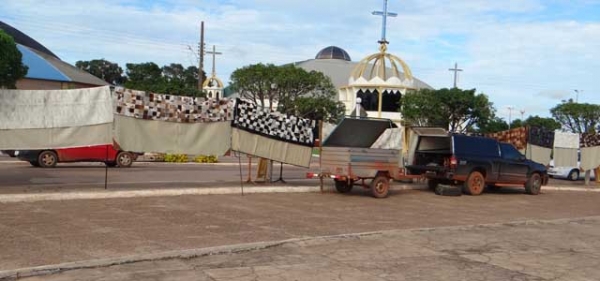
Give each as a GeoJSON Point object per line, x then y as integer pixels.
{"type": "Point", "coordinates": [201, 51]}
{"type": "Point", "coordinates": [380, 103]}
{"type": "Point", "coordinates": [321, 154]}
{"type": "Point", "coordinates": [241, 177]}
{"type": "Point", "coordinates": [106, 170]}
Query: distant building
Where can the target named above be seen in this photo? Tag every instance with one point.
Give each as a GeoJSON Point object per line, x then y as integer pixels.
{"type": "Point", "coordinates": [46, 70]}
{"type": "Point", "coordinates": [337, 64]}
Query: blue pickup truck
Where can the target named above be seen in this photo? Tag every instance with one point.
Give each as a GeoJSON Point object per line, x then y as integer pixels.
{"type": "Point", "coordinates": [475, 162]}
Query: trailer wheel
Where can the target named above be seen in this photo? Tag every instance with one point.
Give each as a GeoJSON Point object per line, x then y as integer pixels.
{"type": "Point", "coordinates": [380, 186]}
{"type": "Point", "coordinates": [343, 186]}
{"type": "Point", "coordinates": [475, 183]}
{"type": "Point", "coordinates": [432, 184]}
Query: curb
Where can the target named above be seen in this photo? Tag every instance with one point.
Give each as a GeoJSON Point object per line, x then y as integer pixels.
{"type": "Point", "coordinates": [116, 194]}
{"type": "Point", "coordinates": [112, 194]}
{"type": "Point", "coordinates": [250, 247]}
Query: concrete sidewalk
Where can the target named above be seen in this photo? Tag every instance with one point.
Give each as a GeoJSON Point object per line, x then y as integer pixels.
{"type": "Point", "coordinates": [476, 252]}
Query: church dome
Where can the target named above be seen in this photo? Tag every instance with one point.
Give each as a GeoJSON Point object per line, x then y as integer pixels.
{"type": "Point", "coordinates": [333, 52]}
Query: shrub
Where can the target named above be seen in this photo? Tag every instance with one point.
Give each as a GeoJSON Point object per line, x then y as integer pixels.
{"type": "Point", "coordinates": [176, 158]}
{"type": "Point", "coordinates": [206, 159]}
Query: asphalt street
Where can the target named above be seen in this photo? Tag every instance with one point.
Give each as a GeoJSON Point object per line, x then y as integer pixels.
{"type": "Point", "coordinates": [19, 177]}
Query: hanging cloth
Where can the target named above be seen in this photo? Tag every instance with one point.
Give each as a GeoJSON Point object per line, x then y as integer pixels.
{"type": "Point", "coordinates": [150, 122]}
{"type": "Point", "coordinates": [41, 119]}
{"type": "Point", "coordinates": [590, 151]}
{"type": "Point", "coordinates": [566, 148]}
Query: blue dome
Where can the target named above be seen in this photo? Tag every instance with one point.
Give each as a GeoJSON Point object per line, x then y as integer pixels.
{"type": "Point", "coordinates": [333, 52]}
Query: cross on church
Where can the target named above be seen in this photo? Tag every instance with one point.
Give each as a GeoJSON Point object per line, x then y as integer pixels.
{"type": "Point", "coordinates": [455, 70]}
{"type": "Point", "coordinates": [384, 14]}
{"type": "Point", "coordinates": [213, 53]}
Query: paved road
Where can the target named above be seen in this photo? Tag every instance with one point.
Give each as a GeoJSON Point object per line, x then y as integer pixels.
{"type": "Point", "coordinates": [19, 177]}
{"type": "Point", "coordinates": [53, 232]}
{"type": "Point", "coordinates": [565, 250]}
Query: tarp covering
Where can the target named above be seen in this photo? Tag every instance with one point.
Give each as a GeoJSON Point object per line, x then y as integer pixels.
{"type": "Point", "coordinates": [269, 148]}
{"type": "Point", "coordinates": [358, 132]}
{"type": "Point", "coordinates": [38, 119]}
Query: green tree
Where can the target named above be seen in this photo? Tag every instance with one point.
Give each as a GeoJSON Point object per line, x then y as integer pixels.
{"type": "Point", "coordinates": [108, 71]}
{"type": "Point", "coordinates": [493, 125]}
{"type": "Point", "coordinates": [577, 117]}
{"type": "Point", "coordinates": [180, 81]}
{"type": "Point", "coordinates": [455, 109]}
{"type": "Point", "coordinates": [11, 62]}
{"type": "Point", "coordinates": [145, 77]}
{"type": "Point", "coordinates": [542, 122]}
{"type": "Point", "coordinates": [256, 82]}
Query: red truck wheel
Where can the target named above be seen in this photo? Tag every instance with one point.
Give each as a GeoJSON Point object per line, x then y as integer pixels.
{"type": "Point", "coordinates": [533, 185]}
{"type": "Point", "coordinates": [475, 183]}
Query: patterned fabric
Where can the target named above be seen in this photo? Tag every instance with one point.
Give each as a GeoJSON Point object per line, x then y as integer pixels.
{"type": "Point", "coordinates": [517, 137]}
{"type": "Point", "coordinates": [589, 140]}
{"type": "Point", "coordinates": [151, 106]}
{"type": "Point", "coordinates": [288, 128]}
{"type": "Point", "coordinates": [541, 137]}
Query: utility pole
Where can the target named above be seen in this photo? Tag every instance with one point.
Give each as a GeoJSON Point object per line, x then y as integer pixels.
{"type": "Point", "coordinates": [201, 54]}
{"type": "Point", "coordinates": [455, 70]}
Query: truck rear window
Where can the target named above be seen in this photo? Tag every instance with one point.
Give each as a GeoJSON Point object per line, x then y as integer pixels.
{"type": "Point", "coordinates": [476, 146]}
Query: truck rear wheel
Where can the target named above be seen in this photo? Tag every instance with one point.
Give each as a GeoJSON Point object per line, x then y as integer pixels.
{"type": "Point", "coordinates": [343, 186]}
{"type": "Point", "coordinates": [475, 183]}
{"type": "Point", "coordinates": [380, 186]}
{"type": "Point", "coordinates": [533, 185]}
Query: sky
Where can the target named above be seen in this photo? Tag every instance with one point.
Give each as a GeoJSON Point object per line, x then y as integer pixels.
{"type": "Point", "coordinates": [526, 55]}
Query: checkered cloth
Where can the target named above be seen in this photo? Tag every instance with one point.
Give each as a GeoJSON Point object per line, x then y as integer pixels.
{"type": "Point", "coordinates": [589, 140]}
{"type": "Point", "coordinates": [288, 128]}
{"type": "Point", "coordinates": [152, 106]}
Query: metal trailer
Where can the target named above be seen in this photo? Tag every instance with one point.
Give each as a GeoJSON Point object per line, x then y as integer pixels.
{"type": "Point", "coordinates": [348, 158]}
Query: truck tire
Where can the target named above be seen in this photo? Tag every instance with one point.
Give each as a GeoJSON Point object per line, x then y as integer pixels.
{"type": "Point", "coordinates": [448, 190]}
{"type": "Point", "coordinates": [380, 186]}
{"type": "Point", "coordinates": [475, 183]}
{"type": "Point", "coordinates": [533, 185]}
{"type": "Point", "coordinates": [432, 184]}
{"type": "Point", "coordinates": [343, 186]}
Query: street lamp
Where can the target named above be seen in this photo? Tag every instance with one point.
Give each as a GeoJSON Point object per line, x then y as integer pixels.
{"type": "Point", "coordinates": [577, 95]}
{"type": "Point", "coordinates": [510, 108]}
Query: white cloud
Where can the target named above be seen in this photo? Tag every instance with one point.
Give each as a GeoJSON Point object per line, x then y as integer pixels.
{"type": "Point", "coordinates": [504, 48]}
